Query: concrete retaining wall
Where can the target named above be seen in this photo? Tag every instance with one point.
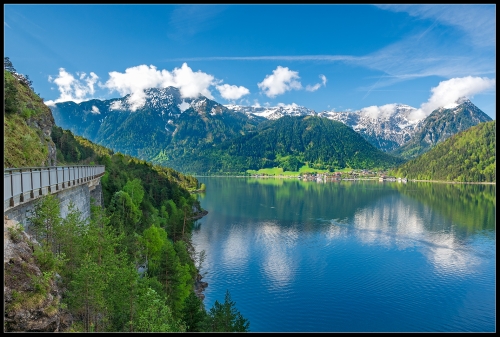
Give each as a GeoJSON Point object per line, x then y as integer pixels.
{"type": "Point", "coordinates": [80, 196]}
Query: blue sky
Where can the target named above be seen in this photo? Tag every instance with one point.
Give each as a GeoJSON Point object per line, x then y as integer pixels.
{"type": "Point", "coordinates": [323, 57]}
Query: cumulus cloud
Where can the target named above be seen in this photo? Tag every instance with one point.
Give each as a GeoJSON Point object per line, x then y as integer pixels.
{"type": "Point", "coordinates": [71, 88]}
{"type": "Point", "coordinates": [116, 105]}
{"type": "Point", "coordinates": [95, 110]}
{"type": "Point", "coordinates": [281, 81]}
{"type": "Point", "coordinates": [317, 85]}
{"type": "Point", "coordinates": [448, 92]}
{"type": "Point", "coordinates": [192, 84]}
{"type": "Point", "coordinates": [136, 79]}
{"type": "Point", "coordinates": [232, 92]}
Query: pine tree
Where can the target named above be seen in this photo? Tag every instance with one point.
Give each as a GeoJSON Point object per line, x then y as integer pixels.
{"type": "Point", "coordinates": [225, 317]}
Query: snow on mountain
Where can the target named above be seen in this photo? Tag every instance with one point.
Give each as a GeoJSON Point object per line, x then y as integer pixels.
{"type": "Point", "coordinates": [273, 112]}
{"type": "Point", "coordinates": [386, 127]}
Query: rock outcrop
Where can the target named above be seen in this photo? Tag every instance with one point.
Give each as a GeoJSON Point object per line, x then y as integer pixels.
{"type": "Point", "coordinates": [31, 298]}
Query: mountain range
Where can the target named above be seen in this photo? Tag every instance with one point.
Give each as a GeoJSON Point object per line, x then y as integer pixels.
{"type": "Point", "coordinates": [169, 129]}
{"type": "Point", "coordinates": [391, 126]}
{"type": "Point", "coordinates": [440, 125]}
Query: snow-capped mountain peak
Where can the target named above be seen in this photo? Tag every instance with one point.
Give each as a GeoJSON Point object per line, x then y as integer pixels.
{"type": "Point", "coordinates": [274, 112]}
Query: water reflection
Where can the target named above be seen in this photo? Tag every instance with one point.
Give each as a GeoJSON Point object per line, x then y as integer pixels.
{"type": "Point", "coordinates": [319, 257]}
{"type": "Point", "coordinates": [401, 223]}
{"type": "Point", "coordinates": [277, 243]}
{"type": "Point", "coordinates": [235, 249]}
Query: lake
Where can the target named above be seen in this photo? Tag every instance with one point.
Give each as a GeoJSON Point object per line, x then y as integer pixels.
{"type": "Point", "coordinates": [355, 256]}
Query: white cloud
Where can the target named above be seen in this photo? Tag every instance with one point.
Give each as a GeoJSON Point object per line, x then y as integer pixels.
{"type": "Point", "coordinates": [116, 105]}
{"type": "Point", "coordinates": [72, 89]}
{"type": "Point", "coordinates": [184, 106]}
{"type": "Point", "coordinates": [477, 21]}
{"type": "Point", "coordinates": [317, 85]}
{"type": "Point", "coordinates": [375, 112]}
{"type": "Point", "coordinates": [136, 79]}
{"type": "Point", "coordinates": [232, 92]}
{"type": "Point", "coordinates": [323, 79]}
{"type": "Point", "coordinates": [313, 87]}
{"type": "Point", "coordinates": [448, 92]}
{"type": "Point", "coordinates": [281, 81]}
{"type": "Point", "coordinates": [288, 106]}
{"type": "Point", "coordinates": [91, 81]}
{"type": "Point", "coordinates": [95, 110]}
{"type": "Point", "coordinates": [191, 83]}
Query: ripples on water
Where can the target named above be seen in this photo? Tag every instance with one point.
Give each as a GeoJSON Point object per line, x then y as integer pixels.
{"type": "Point", "coordinates": [387, 263]}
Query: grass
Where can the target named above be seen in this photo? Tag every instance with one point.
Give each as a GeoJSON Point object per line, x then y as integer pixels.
{"type": "Point", "coordinates": [22, 144]}
{"type": "Point", "coordinates": [275, 171]}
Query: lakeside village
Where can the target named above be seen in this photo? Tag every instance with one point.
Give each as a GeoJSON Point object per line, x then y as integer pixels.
{"type": "Point", "coordinates": [337, 176]}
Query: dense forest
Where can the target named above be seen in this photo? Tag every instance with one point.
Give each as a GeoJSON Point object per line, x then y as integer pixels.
{"type": "Point", "coordinates": [289, 143]}
{"type": "Point", "coordinates": [131, 267]}
{"type": "Point", "coordinates": [468, 156]}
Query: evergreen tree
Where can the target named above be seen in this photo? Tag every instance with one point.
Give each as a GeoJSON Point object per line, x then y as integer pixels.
{"type": "Point", "coordinates": [153, 314]}
{"type": "Point", "coordinates": [225, 317]}
{"type": "Point", "coordinates": [193, 313]}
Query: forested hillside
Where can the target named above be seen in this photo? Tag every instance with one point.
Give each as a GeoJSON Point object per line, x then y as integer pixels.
{"type": "Point", "coordinates": [152, 212]}
{"type": "Point", "coordinates": [129, 268]}
{"type": "Point", "coordinates": [469, 156]}
{"type": "Point", "coordinates": [289, 143]}
{"type": "Point", "coordinates": [159, 129]}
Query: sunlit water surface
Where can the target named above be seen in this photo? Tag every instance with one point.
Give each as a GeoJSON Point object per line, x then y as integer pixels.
{"type": "Point", "coordinates": [359, 256]}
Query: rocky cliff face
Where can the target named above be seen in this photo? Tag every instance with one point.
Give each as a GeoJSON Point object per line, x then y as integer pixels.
{"type": "Point", "coordinates": [31, 298]}
{"type": "Point", "coordinates": [44, 123]}
{"type": "Point", "coordinates": [386, 127]}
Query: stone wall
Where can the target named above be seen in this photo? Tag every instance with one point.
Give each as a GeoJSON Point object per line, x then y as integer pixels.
{"type": "Point", "coordinates": [80, 196]}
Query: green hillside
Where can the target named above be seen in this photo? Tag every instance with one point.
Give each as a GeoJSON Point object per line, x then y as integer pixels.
{"type": "Point", "coordinates": [468, 156]}
{"type": "Point", "coordinates": [288, 143]}
{"type": "Point", "coordinates": [27, 123]}
{"type": "Point", "coordinates": [130, 267]}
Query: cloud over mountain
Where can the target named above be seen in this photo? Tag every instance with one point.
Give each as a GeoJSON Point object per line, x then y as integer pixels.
{"type": "Point", "coordinates": [232, 92]}
{"type": "Point", "coordinates": [447, 93]}
{"type": "Point", "coordinates": [280, 81]}
{"type": "Point", "coordinates": [136, 79]}
{"type": "Point", "coordinates": [71, 88]}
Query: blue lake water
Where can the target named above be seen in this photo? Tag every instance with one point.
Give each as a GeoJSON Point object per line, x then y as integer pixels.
{"type": "Point", "coordinates": [356, 256]}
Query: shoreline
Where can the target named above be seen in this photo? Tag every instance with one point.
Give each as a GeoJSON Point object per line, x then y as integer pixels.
{"type": "Point", "coordinates": [199, 286]}
{"type": "Point", "coordinates": [351, 179]}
